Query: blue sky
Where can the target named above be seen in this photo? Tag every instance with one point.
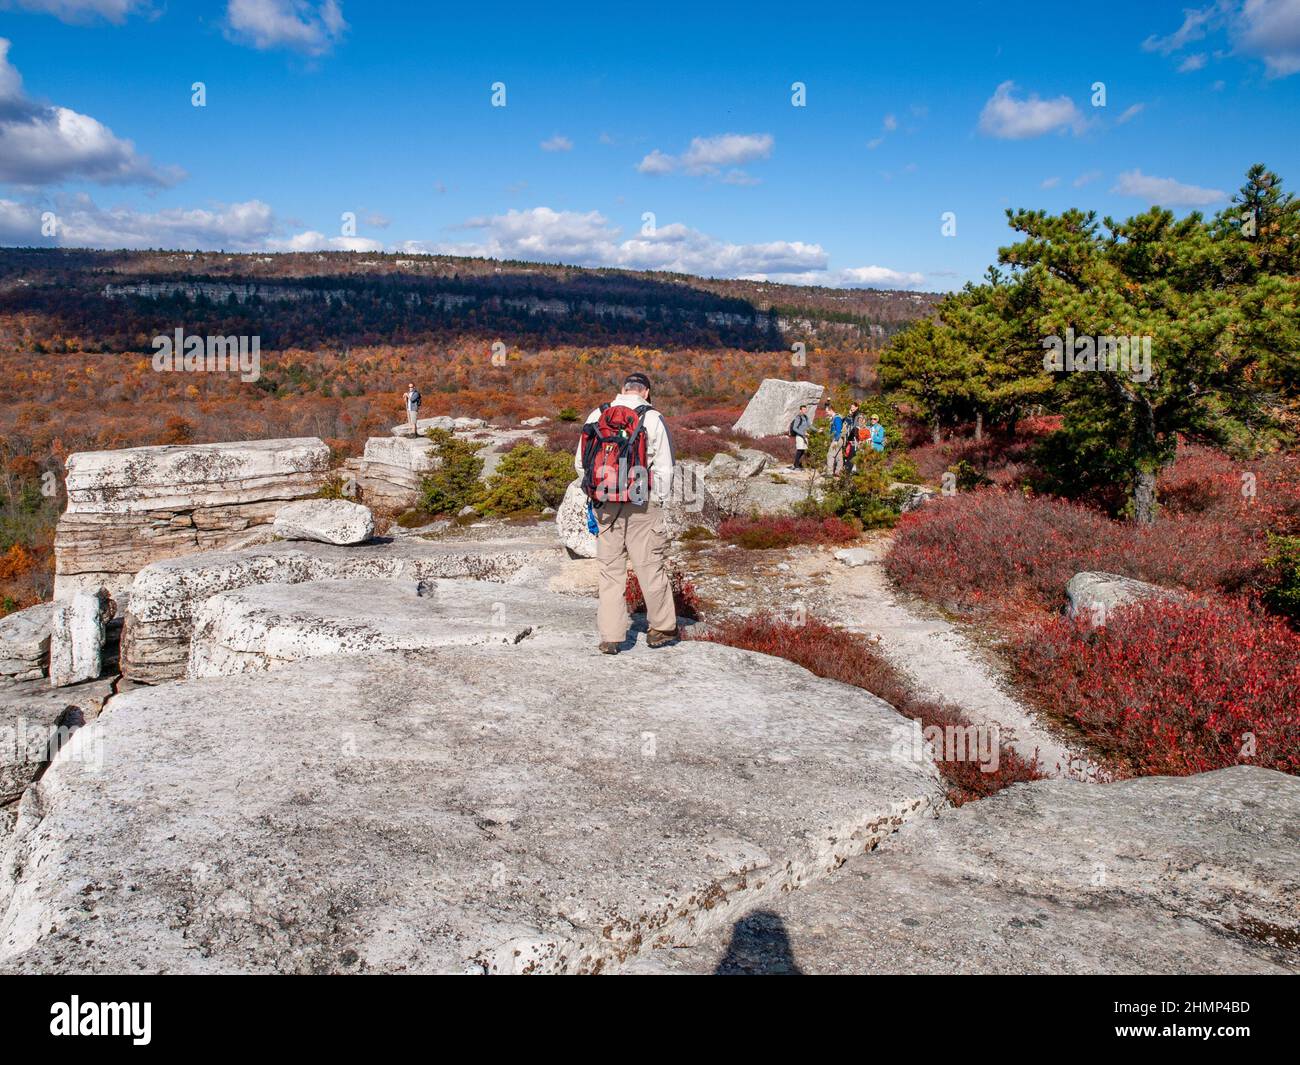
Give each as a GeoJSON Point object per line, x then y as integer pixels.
{"type": "Point", "coordinates": [384, 110]}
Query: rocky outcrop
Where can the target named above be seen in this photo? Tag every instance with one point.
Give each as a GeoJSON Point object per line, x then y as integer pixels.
{"type": "Point", "coordinates": [442, 421]}
{"type": "Point", "coordinates": [911, 496]}
{"type": "Point", "coordinates": [764, 493]}
{"type": "Point", "coordinates": [1093, 595]}
{"type": "Point", "coordinates": [135, 506]}
{"type": "Point", "coordinates": [1174, 875]}
{"type": "Point", "coordinates": [167, 595]}
{"type": "Point", "coordinates": [746, 462]}
{"type": "Point", "coordinates": [485, 809]}
{"type": "Point", "coordinates": [268, 626]}
{"type": "Point", "coordinates": [25, 643]}
{"type": "Point", "coordinates": [326, 521]}
{"type": "Point", "coordinates": [775, 404]}
{"type": "Point", "coordinates": [691, 504]}
{"type": "Point", "coordinates": [77, 633]}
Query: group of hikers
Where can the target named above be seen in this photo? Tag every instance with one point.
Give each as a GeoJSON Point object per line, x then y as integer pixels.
{"type": "Point", "coordinates": [625, 461]}
{"type": "Point", "coordinates": [849, 434]}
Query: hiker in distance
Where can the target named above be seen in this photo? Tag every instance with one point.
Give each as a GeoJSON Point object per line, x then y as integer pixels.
{"type": "Point", "coordinates": [835, 452]}
{"type": "Point", "coordinates": [625, 459]}
{"type": "Point", "coordinates": [799, 429]}
{"type": "Point", "coordinates": [412, 400]}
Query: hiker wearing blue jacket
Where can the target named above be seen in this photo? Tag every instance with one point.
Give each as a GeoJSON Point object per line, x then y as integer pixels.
{"type": "Point", "coordinates": [877, 434]}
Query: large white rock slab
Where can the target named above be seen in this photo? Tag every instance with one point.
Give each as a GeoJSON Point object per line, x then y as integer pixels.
{"type": "Point", "coordinates": [326, 521]}
{"type": "Point", "coordinates": [481, 807]}
{"type": "Point", "coordinates": [166, 595]}
{"type": "Point", "coordinates": [77, 632]}
{"type": "Point", "coordinates": [134, 506]}
{"type": "Point", "coordinates": [268, 626]}
{"type": "Point", "coordinates": [25, 643]}
{"type": "Point", "coordinates": [774, 406]}
{"type": "Point", "coordinates": [1170, 875]}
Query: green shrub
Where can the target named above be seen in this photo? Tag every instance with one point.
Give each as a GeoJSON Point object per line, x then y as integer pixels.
{"type": "Point", "coordinates": [968, 477]}
{"type": "Point", "coordinates": [528, 478]}
{"type": "Point", "coordinates": [568, 415]}
{"type": "Point", "coordinates": [455, 483]}
{"type": "Point", "coordinates": [1283, 565]}
{"type": "Point", "coordinates": [865, 495]}
{"type": "Point", "coordinates": [337, 486]}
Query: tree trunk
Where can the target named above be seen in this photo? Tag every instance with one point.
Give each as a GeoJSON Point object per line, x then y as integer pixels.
{"type": "Point", "coordinates": [935, 434]}
{"type": "Point", "coordinates": [979, 426]}
{"type": "Point", "coordinates": [1144, 498]}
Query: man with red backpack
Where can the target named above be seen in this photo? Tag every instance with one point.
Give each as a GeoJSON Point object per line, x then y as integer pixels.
{"type": "Point", "coordinates": [625, 459]}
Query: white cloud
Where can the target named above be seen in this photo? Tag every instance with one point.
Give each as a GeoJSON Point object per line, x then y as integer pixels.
{"type": "Point", "coordinates": [1086, 178]}
{"type": "Point", "coordinates": [84, 11]}
{"type": "Point", "coordinates": [1270, 29]}
{"type": "Point", "coordinates": [710, 156]}
{"type": "Point", "coordinates": [83, 224]}
{"type": "Point", "coordinates": [875, 143]}
{"type": "Point", "coordinates": [1192, 63]}
{"type": "Point", "coordinates": [1008, 118]}
{"type": "Point", "coordinates": [557, 143]}
{"type": "Point", "coordinates": [313, 29]}
{"type": "Point", "coordinates": [45, 145]}
{"type": "Point", "coordinates": [1165, 191]}
{"type": "Point", "coordinates": [1131, 113]}
{"type": "Point", "coordinates": [890, 123]}
{"type": "Point", "coordinates": [1050, 183]}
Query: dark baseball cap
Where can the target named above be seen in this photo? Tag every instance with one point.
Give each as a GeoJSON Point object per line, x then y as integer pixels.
{"type": "Point", "coordinates": [637, 379]}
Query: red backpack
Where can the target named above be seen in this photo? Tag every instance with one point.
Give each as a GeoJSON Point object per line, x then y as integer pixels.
{"type": "Point", "coordinates": [614, 466]}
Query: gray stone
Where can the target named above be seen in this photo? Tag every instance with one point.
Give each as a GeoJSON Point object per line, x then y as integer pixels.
{"type": "Point", "coordinates": [571, 522]}
{"type": "Point", "coordinates": [723, 464]}
{"type": "Point", "coordinates": [1168, 875]}
{"type": "Point", "coordinates": [745, 496]}
{"type": "Point", "coordinates": [166, 595]}
{"type": "Point", "coordinates": [25, 643]}
{"type": "Point", "coordinates": [752, 462]}
{"type": "Point", "coordinates": [34, 721]}
{"type": "Point", "coordinates": [854, 556]}
{"type": "Point", "coordinates": [534, 422]}
{"type": "Point", "coordinates": [326, 521]}
{"type": "Point", "coordinates": [134, 506]}
{"type": "Point", "coordinates": [775, 404]}
{"type": "Point", "coordinates": [268, 626]}
{"type": "Point", "coordinates": [1094, 595]}
{"type": "Point", "coordinates": [426, 811]}
{"type": "Point", "coordinates": [77, 632]}
{"type": "Point", "coordinates": [912, 496]}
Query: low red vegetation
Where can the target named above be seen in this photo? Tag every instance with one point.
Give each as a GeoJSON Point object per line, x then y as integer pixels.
{"type": "Point", "coordinates": [852, 659]}
{"type": "Point", "coordinates": [993, 550]}
{"type": "Point", "coordinates": [768, 532]}
{"type": "Point", "coordinates": [685, 598]}
{"type": "Point", "coordinates": [1173, 688]}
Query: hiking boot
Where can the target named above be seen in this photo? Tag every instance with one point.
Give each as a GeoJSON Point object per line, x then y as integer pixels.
{"type": "Point", "coordinates": [608, 648]}
{"type": "Point", "coordinates": [660, 637]}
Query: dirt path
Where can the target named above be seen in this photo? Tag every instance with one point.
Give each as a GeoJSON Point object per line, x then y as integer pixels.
{"type": "Point", "coordinates": [941, 660]}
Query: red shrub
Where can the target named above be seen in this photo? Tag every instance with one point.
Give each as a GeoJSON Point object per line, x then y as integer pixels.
{"type": "Point", "coordinates": [1174, 688]}
{"type": "Point", "coordinates": [994, 549]}
{"type": "Point", "coordinates": [685, 598]}
{"type": "Point", "coordinates": [767, 532]}
{"type": "Point", "coordinates": [852, 659]}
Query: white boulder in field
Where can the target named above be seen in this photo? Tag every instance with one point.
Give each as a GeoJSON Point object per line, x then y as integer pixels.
{"type": "Point", "coordinates": [77, 638]}
{"type": "Point", "coordinates": [775, 404]}
{"type": "Point", "coordinates": [327, 521]}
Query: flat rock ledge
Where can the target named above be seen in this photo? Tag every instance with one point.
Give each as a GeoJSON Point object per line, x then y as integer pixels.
{"type": "Point", "coordinates": [487, 809]}
{"type": "Point", "coordinates": [1174, 875]}
{"type": "Point", "coordinates": [166, 595]}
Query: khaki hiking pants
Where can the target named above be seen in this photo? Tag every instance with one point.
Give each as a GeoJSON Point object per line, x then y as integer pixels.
{"type": "Point", "coordinates": [632, 532]}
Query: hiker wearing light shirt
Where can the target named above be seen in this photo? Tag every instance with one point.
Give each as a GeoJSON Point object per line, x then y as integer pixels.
{"type": "Point", "coordinates": [799, 429]}
{"type": "Point", "coordinates": [625, 459]}
{"type": "Point", "coordinates": [412, 399]}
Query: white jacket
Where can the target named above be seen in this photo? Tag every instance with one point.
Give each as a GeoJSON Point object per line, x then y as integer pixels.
{"type": "Point", "coordinates": [658, 450]}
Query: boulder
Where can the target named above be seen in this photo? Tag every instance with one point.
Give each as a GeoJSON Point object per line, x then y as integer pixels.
{"type": "Point", "coordinates": [774, 405]}
{"type": "Point", "coordinates": [752, 462]}
{"type": "Point", "coordinates": [854, 556]}
{"type": "Point", "coordinates": [744, 496]}
{"type": "Point", "coordinates": [25, 643]}
{"type": "Point", "coordinates": [1093, 594]}
{"type": "Point", "coordinates": [442, 421]}
{"type": "Point", "coordinates": [167, 595]}
{"type": "Point", "coordinates": [391, 467]}
{"type": "Point", "coordinates": [35, 720]}
{"type": "Point", "coordinates": [723, 464]}
{"type": "Point", "coordinates": [77, 633]}
{"type": "Point", "coordinates": [485, 807]}
{"type": "Point", "coordinates": [912, 496]}
{"type": "Point", "coordinates": [268, 626]}
{"type": "Point", "coordinates": [327, 521]}
{"type": "Point", "coordinates": [691, 503]}
{"type": "Point", "coordinates": [1170, 875]}
{"type": "Point", "coordinates": [532, 423]}
{"type": "Point", "coordinates": [134, 506]}
{"type": "Point", "coordinates": [571, 522]}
